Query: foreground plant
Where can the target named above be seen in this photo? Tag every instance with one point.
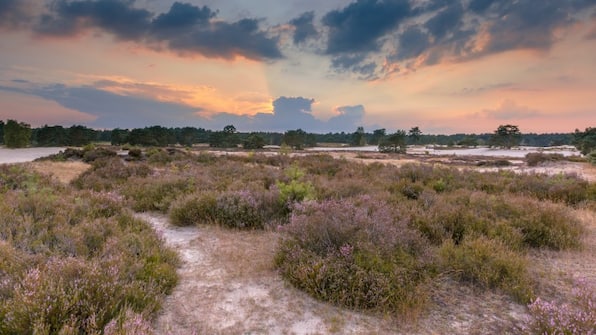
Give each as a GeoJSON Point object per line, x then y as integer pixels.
{"type": "Point", "coordinates": [577, 318]}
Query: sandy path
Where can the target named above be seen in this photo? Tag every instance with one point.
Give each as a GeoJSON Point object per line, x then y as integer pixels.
{"type": "Point", "coordinates": [228, 286]}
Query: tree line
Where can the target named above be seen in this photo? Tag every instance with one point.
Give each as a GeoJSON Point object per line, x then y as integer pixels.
{"type": "Point", "coordinates": [14, 134]}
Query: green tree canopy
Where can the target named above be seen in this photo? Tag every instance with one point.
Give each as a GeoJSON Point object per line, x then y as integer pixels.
{"type": "Point", "coordinates": [17, 134]}
{"type": "Point", "coordinates": [414, 134]}
{"type": "Point", "coordinates": [506, 136]}
{"type": "Point", "coordinates": [254, 141]}
{"type": "Point", "coordinates": [394, 143]}
{"type": "Point", "coordinates": [295, 138]}
{"type": "Point", "coordinates": [359, 137]}
{"type": "Point", "coordinates": [585, 141]}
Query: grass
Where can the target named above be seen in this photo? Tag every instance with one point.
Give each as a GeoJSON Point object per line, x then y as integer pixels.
{"type": "Point", "coordinates": [362, 236]}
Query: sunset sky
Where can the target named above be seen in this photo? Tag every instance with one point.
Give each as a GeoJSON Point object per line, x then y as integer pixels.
{"type": "Point", "coordinates": [459, 66]}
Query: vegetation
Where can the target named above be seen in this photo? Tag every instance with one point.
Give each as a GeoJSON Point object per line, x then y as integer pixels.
{"type": "Point", "coordinates": [75, 261]}
{"type": "Point", "coordinates": [16, 134]}
{"type": "Point", "coordinates": [364, 236]}
{"type": "Point", "coordinates": [506, 136]}
{"type": "Point", "coordinates": [394, 143]}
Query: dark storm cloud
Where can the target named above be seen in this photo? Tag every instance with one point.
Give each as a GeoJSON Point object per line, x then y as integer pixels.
{"type": "Point", "coordinates": [185, 28]}
{"type": "Point", "coordinates": [118, 17]}
{"type": "Point", "coordinates": [361, 32]}
{"type": "Point", "coordinates": [359, 26]}
{"type": "Point", "coordinates": [304, 27]}
{"type": "Point", "coordinates": [412, 42]}
{"type": "Point", "coordinates": [183, 16]}
{"type": "Point", "coordinates": [445, 21]}
{"type": "Point", "coordinates": [14, 14]}
{"type": "Point", "coordinates": [479, 6]}
{"type": "Point", "coordinates": [349, 118]}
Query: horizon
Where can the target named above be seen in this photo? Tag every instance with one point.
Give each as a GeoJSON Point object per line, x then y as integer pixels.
{"type": "Point", "coordinates": [458, 67]}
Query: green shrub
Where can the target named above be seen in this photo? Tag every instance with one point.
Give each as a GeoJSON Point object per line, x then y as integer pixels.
{"type": "Point", "coordinates": [156, 195]}
{"type": "Point", "coordinates": [489, 264]}
{"type": "Point", "coordinates": [354, 253]}
{"type": "Point", "coordinates": [193, 209]}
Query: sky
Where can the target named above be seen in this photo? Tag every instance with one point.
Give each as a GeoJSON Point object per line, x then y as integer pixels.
{"type": "Point", "coordinates": [445, 66]}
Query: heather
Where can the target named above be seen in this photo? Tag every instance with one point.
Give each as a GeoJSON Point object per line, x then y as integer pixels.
{"type": "Point", "coordinates": [372, 237]}
{"type": "Point", "coordinates": [74, 261]}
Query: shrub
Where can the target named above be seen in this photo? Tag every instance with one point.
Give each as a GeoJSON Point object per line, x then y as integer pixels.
{"type": "Point", "coordinates": [488, 264]}
{"type": "Point", "coordinates": [193, 209]}
{"type": "Point", "coordinates": [576, 318]}
{"type": "Point", "coordinates": [354, 253]}
{"type": "Point", "coordinates": [107, 173]}
{"type": "Point", "coordinates": [156, 195]}
{"type": "Point", "coordinates": [536, 158]}
{"type": "Point", "coordinates": [234, 209]}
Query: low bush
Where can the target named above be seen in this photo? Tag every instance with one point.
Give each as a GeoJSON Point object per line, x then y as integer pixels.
{"type": "Point", "coordinates": [536, 158]}
{"type": "Point", "coordinates": [355, 253]}
{"type": "Point", "coordinates": [488, 264]}
{"type": "Point", "coordinates": [575, 318]}
{"type": "Point", "coordinates": [517, 221]}
{"type": "Point", "coordinates": [148, 194]}
{"type": "Point", "coordinates": [107, 174]}
{"type": "Point", "coordinates": [233, 209]}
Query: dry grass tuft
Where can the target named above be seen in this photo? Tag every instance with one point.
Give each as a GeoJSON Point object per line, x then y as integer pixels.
{"type": "Point", "coordinates": [64, 172]}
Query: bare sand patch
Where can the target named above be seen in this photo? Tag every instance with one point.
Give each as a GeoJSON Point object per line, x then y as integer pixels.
{"type": "Point", "coordinates": [64, 172]}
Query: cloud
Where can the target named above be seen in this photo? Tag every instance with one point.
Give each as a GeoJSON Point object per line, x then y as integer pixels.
{"type": "Point", "coordinates": [510, 110]}
{"type": "Point", "coordinates": [14, 14]}
{"type": "Point", "coordinates": [109, 104]}
{"type": "Point", "coordinates": [185, 28]}
{"type": "Point", "coordinates": [349, 117]}
{"type": "Point", "coordinates": [412, 43]}
{"type": "Point", "coordinates": [360, 26]}
{"type": "Point", "coordinates": [120, 18]}
{"type": "Point", "coordinates": [447, 20]}
{"type": "Point", "coordinates": [304, 28]}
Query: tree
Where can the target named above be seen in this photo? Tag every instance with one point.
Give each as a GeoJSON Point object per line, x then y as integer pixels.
{"type": "Point", "coordinates": [394, 143]}
{"type": "Point", "coordinates": [506, 136]}
{"type": "Point", "coordinates": [1, 132]}
{"type": "Point", "coordinates": [80, 135]}
{"type": "Point", "coordinates": [254, 141]}
{"type": "Point", "coordinates": [119, 136]}
{"type": "Point", "coordinates": [585, 141]}
{"type": "Point", "coordinates": [359, 137]}
{"type": "Point", "coordinates": [47, 136]}
{"type": "Point", "coordinates": [377, 136]}
{"type": "Point", "coordinates": [17, 134]}
{"type": "Point", "coordinates": [295, 138]}
{"type": "Point", "coordinates": [414, 134]}
{"type": "Point", "coordinates": [227, 138]}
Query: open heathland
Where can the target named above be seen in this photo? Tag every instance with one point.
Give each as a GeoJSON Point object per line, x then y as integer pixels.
{"type": "Point", "coordinates": [283, 243]}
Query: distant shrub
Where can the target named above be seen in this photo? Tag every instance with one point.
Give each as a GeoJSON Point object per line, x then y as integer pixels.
{"type": "Point", "coordinates": [488, 264]}
{"type": "Point", "coordinates": [92, 154]}
{"type": "Point", "coordinates": [578, 317]}
{"type": "Point", "coordinates": [536, 158]}
{"type": "Point", "coordinates": [355, 253]}
{"type": "Point", "coordinates": [566, 188]}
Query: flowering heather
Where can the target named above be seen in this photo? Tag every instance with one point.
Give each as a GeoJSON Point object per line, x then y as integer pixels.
{"type": "Point", "coordinates": [578, 317]}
